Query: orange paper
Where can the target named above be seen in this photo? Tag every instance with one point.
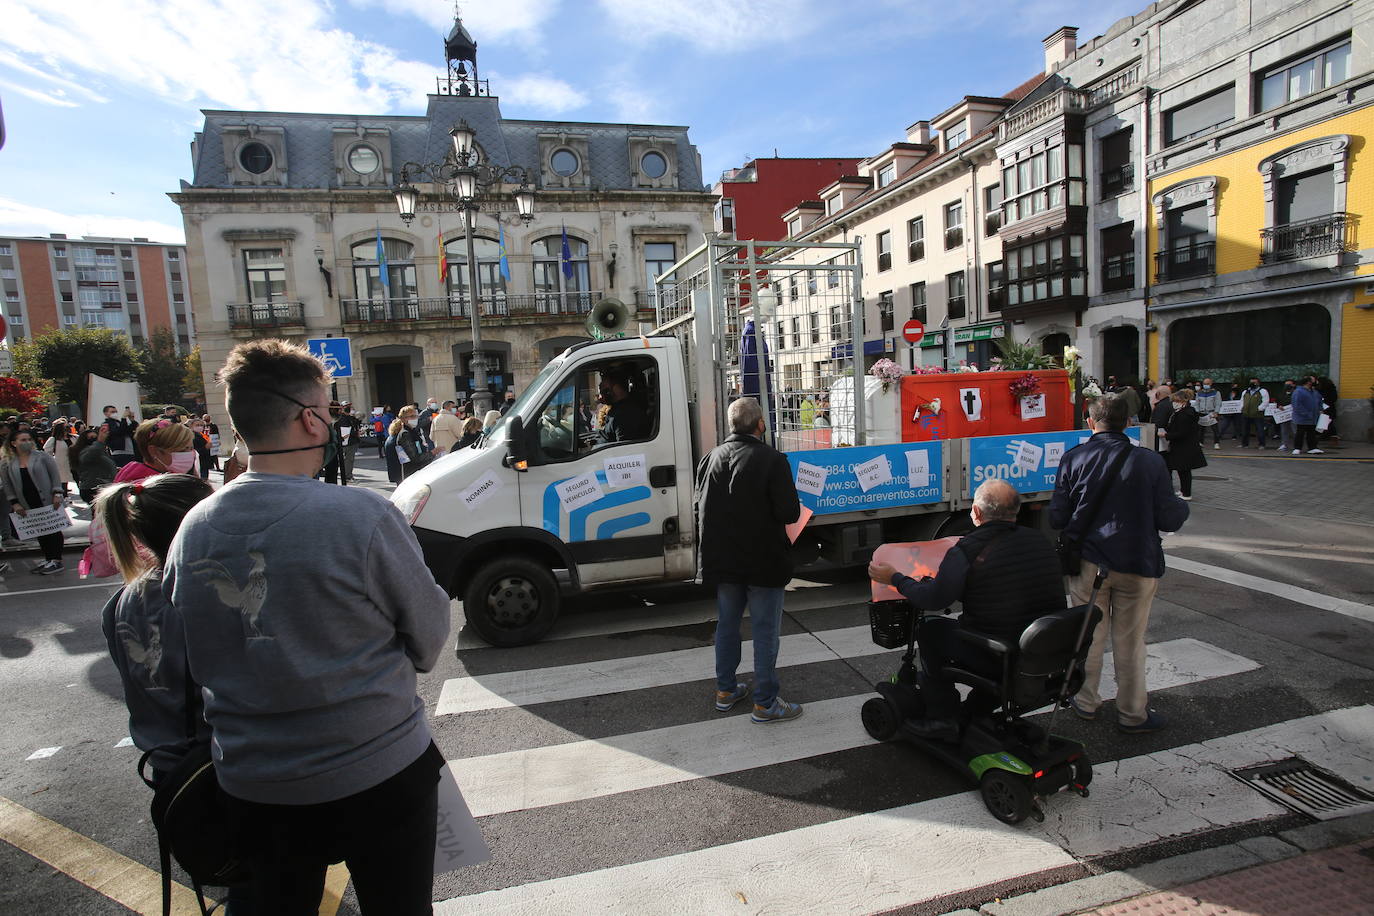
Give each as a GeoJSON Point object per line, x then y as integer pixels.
{"type": "Point", "coordinates": [915, 559]}
{"type": "Point", "coordinates": [794, 530]}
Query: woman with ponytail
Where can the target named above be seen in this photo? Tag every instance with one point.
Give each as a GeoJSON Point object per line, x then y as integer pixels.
{"type": "Point", "coordinates": [164, 447]}
{"type": "Point", "coordinates": [144, 632]}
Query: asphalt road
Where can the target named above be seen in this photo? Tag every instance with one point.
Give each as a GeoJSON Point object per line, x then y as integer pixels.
{"type": "Point", "coordinates": [615, 786]}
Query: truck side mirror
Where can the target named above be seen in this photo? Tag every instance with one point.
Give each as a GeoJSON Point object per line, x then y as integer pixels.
{"type": "Point", "coordinates": [517, 457]}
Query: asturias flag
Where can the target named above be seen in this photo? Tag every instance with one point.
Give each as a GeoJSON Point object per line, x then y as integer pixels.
{"type": "Point", "coordinates": [566, 257]}
{"type": "Point", "coordinates": [382, 273]}
{"type": "Point", "coordinates": [501, 250]}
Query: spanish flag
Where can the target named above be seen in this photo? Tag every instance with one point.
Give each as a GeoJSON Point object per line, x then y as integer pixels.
{"type": "Point", "coordinates": [443, 258]}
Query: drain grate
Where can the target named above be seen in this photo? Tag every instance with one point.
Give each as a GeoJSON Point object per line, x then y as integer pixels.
{"type": "Point", "coordinates": [1297, 784]}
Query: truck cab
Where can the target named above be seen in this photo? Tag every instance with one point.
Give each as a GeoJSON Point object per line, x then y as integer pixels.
{"type": "Point", "coordinates": [585, 482]}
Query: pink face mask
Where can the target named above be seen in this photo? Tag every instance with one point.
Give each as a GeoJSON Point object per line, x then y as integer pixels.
{"type": "Point", "coordinates": [181, 462]}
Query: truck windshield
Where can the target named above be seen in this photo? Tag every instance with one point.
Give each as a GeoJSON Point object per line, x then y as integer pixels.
{"type": "Point", "coordinates": [523, 400]}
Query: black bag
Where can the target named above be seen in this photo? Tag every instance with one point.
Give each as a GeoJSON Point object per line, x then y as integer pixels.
{"type": "Point", "coordinates": [191, 815]}
{"type": "Point", "coordinates": [1070, 550]}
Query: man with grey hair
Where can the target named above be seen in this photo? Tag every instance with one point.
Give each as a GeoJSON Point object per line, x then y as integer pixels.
{"type": "Point", "coordinates": [745, 501]}
{"type": "Point", "coordinates": [1006, 576]}
{"type": "Point", "coordinates": [1113, 499]}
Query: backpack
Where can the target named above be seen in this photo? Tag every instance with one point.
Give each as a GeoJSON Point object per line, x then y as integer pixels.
{"type": "Point", "coordinates": [191, 815]}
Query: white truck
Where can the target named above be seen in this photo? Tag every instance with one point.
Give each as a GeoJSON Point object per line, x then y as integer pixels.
{"type": "Point", "coordinates": [547, 504]}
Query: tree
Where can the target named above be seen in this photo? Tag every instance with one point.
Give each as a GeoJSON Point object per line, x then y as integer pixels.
{"type": "Point", "coordinates": [161, 370]}
{"type": "Point", "coordinates": [194, 382]}
{"type": "Point", "coordinates": [67, 356]}
{"type": "Point", "coordinates": [18, 399]}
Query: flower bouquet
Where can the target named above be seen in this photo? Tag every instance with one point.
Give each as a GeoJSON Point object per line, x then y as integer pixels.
{"type": "Point", "coordinates": [1023, 386]}
{"type": "Point", "coordinates": [887, 372]}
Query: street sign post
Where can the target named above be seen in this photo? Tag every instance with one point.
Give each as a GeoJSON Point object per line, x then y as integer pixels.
{"type": "Point", "coordinates": [913, 331]}
{"type": "Point", "coordinates": [335, 352]}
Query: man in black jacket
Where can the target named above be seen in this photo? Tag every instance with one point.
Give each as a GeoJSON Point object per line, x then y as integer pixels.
{"type": "Point", "coordinates": [1123, 538]}
{"type": "Point", "coordinates": [745, 501]}
{"type": "Point", "coordinates": [121, 435]}
{"type": "Point", "coordinates": [1005, 575]}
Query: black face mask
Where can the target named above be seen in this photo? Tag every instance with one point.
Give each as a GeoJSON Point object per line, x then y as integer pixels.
{"type": "Point", "coordinates": [329, 446]}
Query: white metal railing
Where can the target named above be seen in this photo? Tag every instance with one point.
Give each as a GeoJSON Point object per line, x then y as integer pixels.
{"type": "Point", "coordinates": [1065, 101]}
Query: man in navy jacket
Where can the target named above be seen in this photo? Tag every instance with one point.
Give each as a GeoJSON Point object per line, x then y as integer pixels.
{"type": "Point", "coordinates": [1123, 538]}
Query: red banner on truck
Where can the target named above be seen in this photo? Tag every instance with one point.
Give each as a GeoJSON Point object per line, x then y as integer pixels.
{"type": "Point", "coordinates": [956, 405]}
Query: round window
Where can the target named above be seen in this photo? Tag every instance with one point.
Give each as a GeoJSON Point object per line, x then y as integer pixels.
{"type": "Point", "coordinates": [363, 159]}
{"type": "Point", "coordinates": [255, 157]}
{"type": "Point", "coordinates": [653, 165]}
{"type": "Point", "coordinates": [564, 162]}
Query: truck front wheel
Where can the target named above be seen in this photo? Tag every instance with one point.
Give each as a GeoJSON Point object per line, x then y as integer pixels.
{"type": "Point", "coordinates": [511, 601]}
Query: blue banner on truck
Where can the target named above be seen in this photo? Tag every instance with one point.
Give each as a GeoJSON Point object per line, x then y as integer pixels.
{"type": "Point", "coordinates": [1030, 462]}
{"type": "Point", "coordinates": [847, 479]}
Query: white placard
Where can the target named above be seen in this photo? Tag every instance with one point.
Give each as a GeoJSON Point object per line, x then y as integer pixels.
{"type": "Point", "coordinates": [401, 456]}
{"type": "Point", "coordinates": [626, 471]}
{"type": "Point", "coordinates": [458, 842]}
{"type": "Point", "coordinates": [873, 473]}
{"type": "Point", "coordinates": [918, 468]}
{"type": "Point", "coordinates": [1033, 407]}
{"type": "Point", "coordinates": [971, 400]}
{"type": "Point", "coordinates": [811, 478]}
{"type": "Point", "coordinates": [1323, 422]}
{"type": "Point", "coordinates": [578, 492]}
{"type": "Point", "coordinates": [1229, 407]}
{"type": "Point", "coordinates": [40, 522]}
{"type": "Point", "coordinates": [345, 433]}
{"type": "Point", "coordinates": [1028, 456]}
{"type": "Point", "coordinates": [481, 490]}
{"type": "Point", "coordinates": [1054, 451]}
{"type": "Point", "coordinates": [1269, 409]}
{"type": "Point", "coordinates": [1283, 414]}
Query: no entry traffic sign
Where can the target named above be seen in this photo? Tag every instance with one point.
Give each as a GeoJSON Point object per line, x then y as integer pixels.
{"type": "Point", "coordinates": [913, 331]}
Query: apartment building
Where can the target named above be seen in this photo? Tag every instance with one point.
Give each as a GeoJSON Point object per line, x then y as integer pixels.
{"type": "Point", "coordinates": [132, 285]}
{"type": "Point", "coordinates": [753, 197]}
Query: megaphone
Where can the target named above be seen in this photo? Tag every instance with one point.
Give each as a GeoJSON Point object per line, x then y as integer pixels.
{"type": "Point", "coordinates": [608, 318]}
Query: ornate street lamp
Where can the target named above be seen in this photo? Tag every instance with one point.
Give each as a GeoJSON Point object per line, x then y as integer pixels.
{"type": "Point", "coordinates": [462, 180]}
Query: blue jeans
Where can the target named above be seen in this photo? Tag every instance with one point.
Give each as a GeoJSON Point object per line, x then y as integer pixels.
{"type": "Point", "coordinates": [765, 616]}
{"type": "Point", "coordinates": [1247, 424]}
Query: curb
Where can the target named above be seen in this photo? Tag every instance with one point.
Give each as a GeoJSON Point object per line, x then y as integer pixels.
{"type": "Point", "coordinates": [1176, 871]}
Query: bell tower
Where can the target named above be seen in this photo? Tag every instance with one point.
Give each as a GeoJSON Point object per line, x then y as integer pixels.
{"type": "Point", "coordinates": [460, 54]}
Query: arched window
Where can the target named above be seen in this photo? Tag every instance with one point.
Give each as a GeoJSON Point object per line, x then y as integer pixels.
{"type": "Point", "coordinates": [491, 290]}
{"type": "Point", "coordinates": [400, 268]}
{"type": "Point", "coordinates": [554, 290]}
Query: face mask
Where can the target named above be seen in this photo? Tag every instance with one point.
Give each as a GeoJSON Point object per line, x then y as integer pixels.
{"type": "Point", "coordinates": [453, 410]}
{"type": "Point", "coordinates": [330, 447]}
{"type": "Point", "coordinates": [180, 462]}
{"type": "Point", "coordinates": [25, 447]}
{"type": "Point", "coordinates": [412, 423]}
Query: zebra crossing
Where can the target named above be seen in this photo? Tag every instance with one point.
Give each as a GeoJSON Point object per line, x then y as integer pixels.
{"type": "Point", "coordinates": [583, 817]}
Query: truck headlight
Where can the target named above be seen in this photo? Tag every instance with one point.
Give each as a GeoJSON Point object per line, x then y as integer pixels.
{"type": "Point", "coordinates": [411, 500]}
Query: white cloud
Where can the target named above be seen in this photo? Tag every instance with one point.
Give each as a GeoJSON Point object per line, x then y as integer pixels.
{"type": "Point", "coordinates": [724, 26]}
{"type": "Point", "coordinates": [484, 20]}
{"type": "Point", "coordinates": [246, 54]}
{"type": "Point", "coordinates": [547, 94]}
{"type": "Point", "coordinates": [18, 218]}
{"type": "Point", "coordinates": [54, 97]}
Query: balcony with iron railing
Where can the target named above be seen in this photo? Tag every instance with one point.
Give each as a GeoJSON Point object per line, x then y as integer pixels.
{"type": "Point", "coordinates": [1309, 238]}
{"type": "Point", "coordinates": [249, 316]}
{"type": "Point", "coordinates": [1118, 272]}
{"type": "Point", "coordinates": [1117, 180]}
{"type": "Point", "coordinates": [569, 305]}
{"type": "Point", "coordinates": [1183, 262]}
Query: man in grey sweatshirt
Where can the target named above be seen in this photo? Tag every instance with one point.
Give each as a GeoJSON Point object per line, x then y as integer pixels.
{"type": "Point", "coordinates": [308, 610]}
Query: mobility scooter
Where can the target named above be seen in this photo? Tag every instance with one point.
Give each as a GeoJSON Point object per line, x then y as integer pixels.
{"type": "Point", "coordinates": [1015, 763]}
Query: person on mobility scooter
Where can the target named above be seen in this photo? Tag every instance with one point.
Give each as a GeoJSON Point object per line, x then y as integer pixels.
{"type": "Point", "coordinates": [1015, 645]}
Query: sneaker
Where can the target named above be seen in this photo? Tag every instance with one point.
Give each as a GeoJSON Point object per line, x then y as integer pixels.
{"type": "Point", "coordinates": [780, 710]}
{"type": "Point", "coordinates": [1087, 715]}
{"type": "Point", "coordinates": [1297, 451]}
{"type": "Point", "coordinates": [1186, 499]}
{"type": "Point", "coordinates": [42, 568]}
{"type": "Point", "coordinates": [725, 700]}
{"type": "Point", "coordinates": [1216, 445]}
{"type": "Point", "coordinates": [1153, 723]}
{"type": "Point", "coordinates": [54, 566]}
{"type": "Point", "coordinates": [1315, 451]}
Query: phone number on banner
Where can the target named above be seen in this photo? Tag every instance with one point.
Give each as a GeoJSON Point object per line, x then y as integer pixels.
{"type": "Point", "coordinates": [868, 477]}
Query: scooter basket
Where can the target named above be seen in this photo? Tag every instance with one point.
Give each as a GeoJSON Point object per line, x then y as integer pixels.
{"type": "Point", "coordinates": [891, 622]}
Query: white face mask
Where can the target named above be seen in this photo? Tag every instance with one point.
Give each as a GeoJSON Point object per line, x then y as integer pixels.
{"type": "Point", "coordinates": [453, 410]}
{"type": "Point", "coordinates": [412, 423]}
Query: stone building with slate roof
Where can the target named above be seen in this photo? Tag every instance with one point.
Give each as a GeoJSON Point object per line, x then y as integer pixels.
{"type": "Point", "coordinates": [284, 211]}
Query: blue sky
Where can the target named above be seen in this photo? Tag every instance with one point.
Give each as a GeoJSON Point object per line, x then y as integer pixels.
{"type": "Point", "coordinates": [101, 98]}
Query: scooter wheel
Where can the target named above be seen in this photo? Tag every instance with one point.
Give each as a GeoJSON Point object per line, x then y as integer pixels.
{"type": "Point", "coordinates": [1007, 796]}
{"type": "Point", "coordinates": [880, 719]}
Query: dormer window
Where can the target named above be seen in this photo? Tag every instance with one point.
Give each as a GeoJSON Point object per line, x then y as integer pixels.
{"type": "Point", "coordinates": [832, 205]}
{"type": "Point", "coordinates": [887, 174]}
{"type": "Point", "coordinates": [956, 136]}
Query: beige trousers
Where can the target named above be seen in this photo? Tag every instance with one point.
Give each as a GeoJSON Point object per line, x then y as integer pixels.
{"type": "Point", "coordinates": [1125, 600]}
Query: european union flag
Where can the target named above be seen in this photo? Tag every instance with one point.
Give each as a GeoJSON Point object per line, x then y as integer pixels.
{"type": "Point", "coordinates": [566, 257]}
